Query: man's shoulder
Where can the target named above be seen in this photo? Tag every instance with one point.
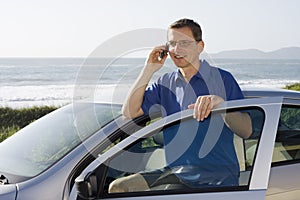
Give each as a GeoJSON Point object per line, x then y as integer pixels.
{"type": "Point", "coordinates": [224, 72]}
{"type": "Point", "coordinates": [214, 70]}
{"type": "Point", "coordinates": [168, 76]}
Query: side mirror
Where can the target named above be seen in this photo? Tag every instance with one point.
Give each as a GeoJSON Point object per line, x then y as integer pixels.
{"type": "Point", "coordinates": [87, 186]}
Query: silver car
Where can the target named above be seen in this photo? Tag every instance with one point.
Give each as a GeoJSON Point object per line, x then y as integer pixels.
{"type": "Point", "coordinates": [76, 152]}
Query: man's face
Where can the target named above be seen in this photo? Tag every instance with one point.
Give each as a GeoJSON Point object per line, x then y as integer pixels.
{"type": "Point", "coordinates": [183, 48]}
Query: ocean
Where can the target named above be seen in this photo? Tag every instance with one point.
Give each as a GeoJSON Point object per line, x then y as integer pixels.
{"type": "Point", "coordinates": [26, 82]}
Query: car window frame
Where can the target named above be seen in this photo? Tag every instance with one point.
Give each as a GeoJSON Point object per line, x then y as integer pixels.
{"type": "Point", "coordinates": [233, 104]}
{"type": "Point", "coordinates": [198, 190]}
{"type": "Point", "coordinates": [291, 161]}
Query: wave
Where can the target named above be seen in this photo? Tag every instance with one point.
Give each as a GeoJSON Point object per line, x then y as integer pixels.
{"type": "Point", "coordinates": [57, 95]}
{"type": "Point", "coordinates": [20, 96]}
{"type": "Point", "coordinates": [27, 96]}
{"type": "Point", "coordinates": [266, 83]}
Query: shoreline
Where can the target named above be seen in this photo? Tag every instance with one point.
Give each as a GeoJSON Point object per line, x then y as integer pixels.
{"type": "Point", "coordinates": [103, 94]}
{"type": "Point", "coordinates": [13, 119]}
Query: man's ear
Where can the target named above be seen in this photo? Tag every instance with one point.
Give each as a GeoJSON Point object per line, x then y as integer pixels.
{"type": "Point", "coordinates": [200, 46]}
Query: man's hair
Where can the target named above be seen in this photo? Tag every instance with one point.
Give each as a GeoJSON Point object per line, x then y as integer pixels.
{"type": "Point", "coordinates": [194, 26]}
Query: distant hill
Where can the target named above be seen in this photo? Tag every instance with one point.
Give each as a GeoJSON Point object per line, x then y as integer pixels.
{"type": "Point", "coordinates": [283, 53]}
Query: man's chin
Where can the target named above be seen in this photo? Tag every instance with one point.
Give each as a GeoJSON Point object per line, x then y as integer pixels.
{"type": "Point", "coordinates": [182, 66]}
{"type": "Point", "coordinates": [182, 63]}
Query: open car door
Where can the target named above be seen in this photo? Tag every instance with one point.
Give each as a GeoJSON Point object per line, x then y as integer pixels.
{"type": "Point", "coordinates": [143, 151]}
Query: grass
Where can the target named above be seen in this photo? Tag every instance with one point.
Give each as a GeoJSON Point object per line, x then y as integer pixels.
{"type": "Point", "coordinates": [295, 86]}
{"type": "Point", "coordinates": [12, 120]}
{"type": "Point", "coordinates": [6, 132]}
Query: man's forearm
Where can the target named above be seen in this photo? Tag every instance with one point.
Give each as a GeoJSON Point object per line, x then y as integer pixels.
{"type": "Point", "coordinates": [132, 105]}
{"type": "Point", "coordinates": [239, 123]}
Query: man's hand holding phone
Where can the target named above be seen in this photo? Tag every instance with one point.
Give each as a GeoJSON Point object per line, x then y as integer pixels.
{"type": "Point", "coordinates": [164, 53]}
{"type": "Point", "coordinates": [157, 58]}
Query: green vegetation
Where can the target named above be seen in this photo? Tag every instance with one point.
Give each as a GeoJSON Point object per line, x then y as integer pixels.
{"type": "Point", "coordinates": [6, 132]}
{"type": "Point", "coordinates": [295, 86]}
{"type": "Point", "coordinates": [290, 117]}
{"type": "Point", "coordinates": [11, 120]}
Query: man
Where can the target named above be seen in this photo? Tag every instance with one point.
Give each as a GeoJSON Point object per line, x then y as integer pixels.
{"type": "Point", "coordinates": [196, 85]}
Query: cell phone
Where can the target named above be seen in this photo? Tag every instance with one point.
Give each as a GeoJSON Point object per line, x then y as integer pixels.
{"type": "Point", "coordinates": [162, 54]}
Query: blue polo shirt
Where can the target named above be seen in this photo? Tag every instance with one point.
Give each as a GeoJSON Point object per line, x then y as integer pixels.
{"type": "Point", "coordinates": [187, 142]}
{"type": "Point", "coordinates": [172, 94]}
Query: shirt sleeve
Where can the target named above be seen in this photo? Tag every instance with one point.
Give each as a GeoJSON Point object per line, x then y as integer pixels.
{"type": "Point", "coordinates": [233, 90]}
{"type": "Point", "coordinates": [151, 99]}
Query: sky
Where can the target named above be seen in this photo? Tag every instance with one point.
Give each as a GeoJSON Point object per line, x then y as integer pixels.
{"type": "Point", "coordinates": [75, 28]}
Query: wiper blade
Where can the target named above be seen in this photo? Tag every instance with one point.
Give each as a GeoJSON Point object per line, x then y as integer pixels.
{"type": "Point", "coordinates": [3, 180]}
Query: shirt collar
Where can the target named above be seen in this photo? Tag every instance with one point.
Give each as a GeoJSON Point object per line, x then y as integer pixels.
{"type": "Point", "coordinates": [203, 72]}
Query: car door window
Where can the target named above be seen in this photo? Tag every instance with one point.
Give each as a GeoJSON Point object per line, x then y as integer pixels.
{"type": "Point", "coordinates": [287, 144]}
{"type": "Point", "coordinates": [151, 154]}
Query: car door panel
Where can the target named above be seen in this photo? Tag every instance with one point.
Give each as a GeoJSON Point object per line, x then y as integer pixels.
{"type": "Point", "coordinates": [285, 177]}
{"type": "Point", "coordinates": [284, 182]}
{"type": "Point", "coordinates": [237, 195]}
{"type": "Point", "coordinates": [8, 192]}
{"type": "Point", "coordinates": [260, 174]}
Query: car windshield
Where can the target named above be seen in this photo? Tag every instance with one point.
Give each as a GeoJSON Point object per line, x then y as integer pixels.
{"type": "Point", "coordinates": [42, 143]}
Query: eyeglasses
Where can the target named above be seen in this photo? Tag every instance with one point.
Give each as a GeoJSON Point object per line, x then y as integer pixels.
{"type": "Point", "coordinates": [180, 43]}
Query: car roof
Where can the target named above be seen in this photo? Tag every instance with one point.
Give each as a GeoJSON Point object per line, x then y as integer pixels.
{"type": "Point", "coordinates": [267, 92]}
